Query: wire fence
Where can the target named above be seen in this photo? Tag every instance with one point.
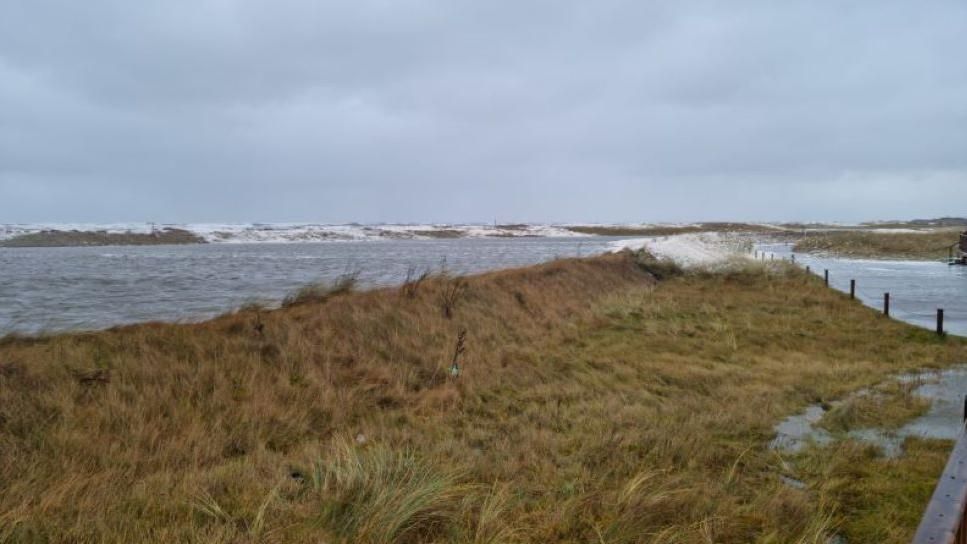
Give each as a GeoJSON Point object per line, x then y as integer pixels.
{"type": "Point", "coordinates": [913, 308]}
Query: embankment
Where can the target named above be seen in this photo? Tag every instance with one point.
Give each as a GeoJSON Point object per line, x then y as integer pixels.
{"type": "Point", "coordinates": [589, 402]}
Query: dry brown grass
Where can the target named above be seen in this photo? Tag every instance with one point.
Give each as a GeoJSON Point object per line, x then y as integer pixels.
{"type": "Point", "coordinates": [925, 245]}
{"type": "Point", "coordinates": [593, 405]}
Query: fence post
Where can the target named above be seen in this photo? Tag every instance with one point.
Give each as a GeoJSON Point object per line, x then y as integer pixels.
{"type": "Point", "coordinates": [826, 277]}
{"type": "Point", "coordinates": [807, 269]}
{"type": "Point", "coordinates": [886, 304]}
{"type": "Point", "coordinates": [852, 289]}
{"type": "Point", "coordinates": [940, 321]}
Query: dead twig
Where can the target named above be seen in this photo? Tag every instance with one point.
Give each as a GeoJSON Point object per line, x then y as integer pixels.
{"type": "Point", "coordinates": [452, 292]}
{"type": "Point", "coordinates": [461, 347]}
{"type": "Point", "coordinates": [100, 376]}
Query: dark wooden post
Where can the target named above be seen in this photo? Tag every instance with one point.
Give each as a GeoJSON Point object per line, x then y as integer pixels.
{"type": "Point", "coordinates": [852, 289]}
{"type": "Point", "coordinates": [940, 321]}
{"type": "Point", "coordinates": [886, 304]}
{"type": "Point", "coordinates": [826, 277]}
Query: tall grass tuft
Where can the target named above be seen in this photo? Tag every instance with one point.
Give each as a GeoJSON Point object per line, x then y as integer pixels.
{"type": "Point", "coordinates": [412, 282]}
{"type": "Point", "coordinates": [380, 496]}
{"type": "Point", "coordinates": [489, 523]}
{"type": "Point", "coordinates": [453, 291]}
{"type": "Point", "coordinates": [320, 292]}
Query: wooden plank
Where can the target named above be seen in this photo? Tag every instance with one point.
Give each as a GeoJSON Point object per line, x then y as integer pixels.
{"type": "Point", "coordinates": [943, 520]}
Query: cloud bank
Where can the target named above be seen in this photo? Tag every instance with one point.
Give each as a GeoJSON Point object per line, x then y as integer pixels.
{"type": "Point", "coordinates": [426, 110]}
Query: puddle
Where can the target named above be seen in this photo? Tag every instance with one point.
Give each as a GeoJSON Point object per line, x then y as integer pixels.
{"type": "Point", "coordinates": [944, 419]}
{"type": "Point", "coordinates": [792, 482]}
{"type": "Point", "coordinates": [794, 432]}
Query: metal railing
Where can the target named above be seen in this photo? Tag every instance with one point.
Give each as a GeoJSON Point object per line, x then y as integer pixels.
{"type": "Point", "coordinates": [944, 520]}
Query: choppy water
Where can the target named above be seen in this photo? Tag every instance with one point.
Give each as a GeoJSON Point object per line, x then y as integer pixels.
{"type": "Point", "coordinates": [917, 288]}
{"type": "Point", "coordinates": [60, 289]}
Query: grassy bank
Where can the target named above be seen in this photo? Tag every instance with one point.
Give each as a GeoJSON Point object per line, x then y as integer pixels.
{"type": "Point", "coordinates": [923, 245]}
{"type": "Point", "coordinates": [593, 404]}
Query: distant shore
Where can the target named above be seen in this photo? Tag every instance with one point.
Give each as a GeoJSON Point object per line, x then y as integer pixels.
{"type": "Point", "coordinates": [128, 234]}
{"type": "Point", "coordinates": [77, 238]}
{"type": "Point", "coordinates": [923, 245]}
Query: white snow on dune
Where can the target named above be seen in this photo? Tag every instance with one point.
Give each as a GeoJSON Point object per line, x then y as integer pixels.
{"type": "Point", "coordinates": [689, 250]}
{"type": "Point", "coordinates": [282, 233]}
{"type": "Point", "coordinates": [306, 232]}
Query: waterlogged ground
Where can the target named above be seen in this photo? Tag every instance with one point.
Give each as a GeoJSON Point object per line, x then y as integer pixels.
{"type": "Point", "coordinates": [60, 289]}
{"type": "Point", "coordinates": [944, 389]}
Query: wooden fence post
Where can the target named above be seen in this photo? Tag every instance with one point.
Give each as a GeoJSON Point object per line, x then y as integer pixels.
{"type": "Point", "coordinates": [886, 304]}
{"type": "Point", "coordinates": [940, 321]}
{"type": "Point", "coordinates": [852, 289]}
{"type": "Point", "coordinates": [826, 277]}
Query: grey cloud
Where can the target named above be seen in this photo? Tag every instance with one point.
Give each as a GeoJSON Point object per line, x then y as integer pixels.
{"type": "Point", "coordinates": [462, 111]}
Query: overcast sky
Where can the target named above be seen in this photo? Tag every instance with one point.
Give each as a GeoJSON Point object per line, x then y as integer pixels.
{"type": "Point", "coordinates": [450, 110]}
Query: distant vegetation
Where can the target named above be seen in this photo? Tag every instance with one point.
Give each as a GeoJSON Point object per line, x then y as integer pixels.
{"type": "Point", "coordinates": [668, 230]}
{"type": "Point", "coordinates": [941, 222]}
{"type": "Point", "coordinates": [71, 238]}
{"type": "Point", "coordinates": [924, 245]}
{"type": "Point", "coordinates": [439, 233]}
{"type": "Point", "coordinates": [576, 401]}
